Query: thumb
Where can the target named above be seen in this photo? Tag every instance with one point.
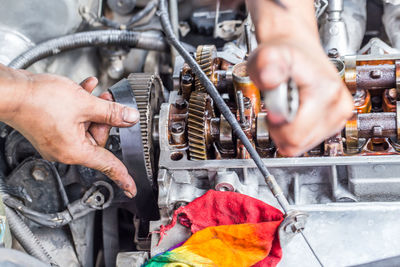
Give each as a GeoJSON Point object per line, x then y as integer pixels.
{"type": "Point", "coordinates": [269, 66]}
{"type": "Point", "coordinates": [111, 113]}
{"type": "Point", "coordinates": [101, 159]}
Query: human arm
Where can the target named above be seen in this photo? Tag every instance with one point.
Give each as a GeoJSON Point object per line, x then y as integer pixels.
{"type": "Point", "coordinates": [289, 46]}
{"type": "Point", "coordinates": [64, 122]}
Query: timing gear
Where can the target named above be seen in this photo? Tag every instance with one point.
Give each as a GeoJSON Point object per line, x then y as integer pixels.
{"type": "Point", "coordinates": [206, 57]}
{"type": "Point", "coordinates": [147, 89]}
{"type": "Point", "coordinates": [200, 113]}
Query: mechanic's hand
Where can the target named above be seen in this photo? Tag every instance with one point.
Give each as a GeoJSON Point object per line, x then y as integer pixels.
{"type": "Point", "coordinates": [325, 102]}
{"type": "Point", "coordinates": [67, 124]}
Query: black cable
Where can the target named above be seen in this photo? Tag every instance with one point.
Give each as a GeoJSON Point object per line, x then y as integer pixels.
{"type": "Point", "coordinates": [88, 39]}
{"type": "Point", "coordinates": [51, 220]}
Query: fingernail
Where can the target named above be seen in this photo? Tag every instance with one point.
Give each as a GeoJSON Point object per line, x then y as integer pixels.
{"type": "Point", "coordinates": [129, 194]}
{"type": "Point", "coordinates": [130, 115]}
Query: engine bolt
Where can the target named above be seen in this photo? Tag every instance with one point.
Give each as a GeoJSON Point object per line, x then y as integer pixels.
{"type": "Point", "coordinates": [333, 53]}
{"type": "Point", "coordinates": [180, 103]}
{"type": "Point", "coordinates": [392, 93]}
{"type": "Point", "coordinates": [376, 74]}
{"type": "Point", "coordinates": [177, 127]}
{"type": "Point", "coordinates": [39, 173]}
{"type": "Point", "coordinates": [187, 79]}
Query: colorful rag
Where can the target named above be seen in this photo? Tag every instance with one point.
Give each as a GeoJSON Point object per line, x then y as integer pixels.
{"type": "Point", "coordinates": [229, 229]}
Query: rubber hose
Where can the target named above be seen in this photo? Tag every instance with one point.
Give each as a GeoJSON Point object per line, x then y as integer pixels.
{"type": "Point", "coordinates": [88, 39]}
{"type": "Point", "coordinates": [26, 238]}
{"type": "Point", "coordinates": [21, 231]}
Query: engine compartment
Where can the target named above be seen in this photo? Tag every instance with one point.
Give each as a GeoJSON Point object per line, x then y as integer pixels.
{"type": "Point", "coordinates": [349, 184]}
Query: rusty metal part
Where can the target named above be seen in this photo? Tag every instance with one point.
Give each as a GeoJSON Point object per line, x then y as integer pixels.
{"type": "Point", "coordinates": [225, 134]}
{"type": "Point", "coordinates": [333, 146]}
{"type": "Point", "coordinates": [397, 64]}
{"type": "Point", "coordinates": [206, 57]}
{"type": "Point", "coordinates": [262, 134]}
{"type": "Point", "coordinates": [389, 100]}
{"type": "Point", "coordinates": [148, 91]}
{"type": "Point", "coordinates": [373, 77]}
{"type": "Point", "coordinates": [351, 134]}
{"type": "Point", "coordinates": [224, 82]}
{"type": "Point", "coordinates": [180, 103]}
{"type": "Point", "coordinates": [242, 117]}
{"type": "Point", "coordinates": [186, 85]}
{"type": "Point", "coordinates": [350, 75]}
{"type": "Point", "coordinates": [178, 132]}
{"type": "Point", "coordinates": [362, 101]}
{"type": "Point", "coordinates": [381, 124]}
{"type": "Point", "coordinates": [226, 144]}
{"type": "Point", "coordinates": [264, 143]}
{"type": "Point", "coordinates": [398, 119]}
{"type": "Point", "coordinates": [242, 82]}
{"type": "Point", "coordinates": [200, 113]}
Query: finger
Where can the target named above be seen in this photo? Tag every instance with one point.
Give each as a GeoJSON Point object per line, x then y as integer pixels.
{"type": "Point", "coordinates": [89, 84]}
{"type": "Point", "coordinates": [103, 160]}
{"type": "Point", "coordinates": [269, 66]}
{"type": "Point", "coordinates": [100, 132]}
{"type": "Point", "coordinates": [296, 138]}
{"type": "Point", "coordinates": [107, 96]}
{"type": "Point", "coordinates": [111, 113]}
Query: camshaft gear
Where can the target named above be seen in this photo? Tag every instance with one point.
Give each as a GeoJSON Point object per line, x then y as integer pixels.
{"type": "Point", "coordinates": [147, 89]}
{"type": "Point", "coordinates": [200, 113]}
{"type": "Point", "coordinates": [206, 57]}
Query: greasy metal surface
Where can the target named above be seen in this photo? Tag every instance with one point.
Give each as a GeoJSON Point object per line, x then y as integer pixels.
{"type": "Point", "coordinates": [382, 124]}
{"type": "Point", "coordinates": [346, 234]}
{"type": "Point", "coordinates": [133, 157]}
{"type": "Point", "coordinates": [242, 82]}
{"type": "Point", "coordinates": [374, 77]}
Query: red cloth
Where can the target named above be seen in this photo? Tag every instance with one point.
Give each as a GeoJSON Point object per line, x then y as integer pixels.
{"type": "Point", "coordinates": [224, 208]}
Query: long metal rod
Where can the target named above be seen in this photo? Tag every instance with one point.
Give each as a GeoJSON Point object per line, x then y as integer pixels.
{"type": "Point", "coordinates": [216, 20]}
{"type": "Point", "coordinates": [310, 247]}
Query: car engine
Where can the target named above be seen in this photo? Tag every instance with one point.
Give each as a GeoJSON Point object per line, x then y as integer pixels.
{"type": "Point", "coordinates": [347, 188]}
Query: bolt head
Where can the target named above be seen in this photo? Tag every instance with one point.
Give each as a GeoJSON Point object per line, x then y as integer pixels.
{"type": "Point", "coordinates": [180, 103]}
{"type": "Point", "coordinates": [177, 127]}
{"type": "Point", "coordinates": [39, 173]}
{"type": "Point", "coordinates": [187, 79]}
{"type": "Point", "coordinates": [333, 53]}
